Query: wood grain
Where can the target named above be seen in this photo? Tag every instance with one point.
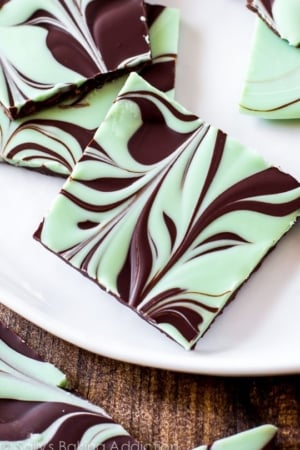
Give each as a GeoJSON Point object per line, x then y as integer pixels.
{"type": "Point", "coordinates": [167, 410]}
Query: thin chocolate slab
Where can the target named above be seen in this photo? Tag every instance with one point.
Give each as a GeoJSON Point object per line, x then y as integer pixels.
{"type": "Point", "coordinates": [48, 49]}
{"type": "Point", "coordinates": [259, 438]}
{"type": "Point", "coordinates": [271, 88]}
{"type": "Point", "coordinates": [17, 358]}
{"type": "Point", "coordinates": [157, 212]}
{"type": "Point", "coordinates": [282, 16]}
{"type": "Point", "coordinates": [53, 140]}
{"type": "Point", "coordinates": [36, 414]}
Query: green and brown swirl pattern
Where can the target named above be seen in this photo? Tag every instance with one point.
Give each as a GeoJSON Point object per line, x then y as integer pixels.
{"type": "Point", "coordinates": [70, 45]}
{"type": "Point", "coordinates": [52, 140]}
{"type": "Point", "coordinates": [35, 414]}
{"type": "Point", "coordinates": [282, 16]}
{"type": "Point", "coordinates": [272, 82]}
{"type": "Point", "coordinates": [167, 213]}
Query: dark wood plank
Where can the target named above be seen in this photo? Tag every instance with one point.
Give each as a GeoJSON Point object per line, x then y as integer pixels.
{"type": "Point", "coordinates": [166, 410]}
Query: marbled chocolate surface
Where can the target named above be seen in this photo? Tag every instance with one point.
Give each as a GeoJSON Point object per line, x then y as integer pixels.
{"type": "Point", "coordinates": [68, 44]}
{"type": "Point", "coordinates": [17, 358]}
{"type": "Point", "coordinates": [282, 16]}
{"type": "Point", "coordinates": [39, 416]}
{"type": "Point", "coordinates": [35, 414]}
{"type": "Point", "coordinates": [157, 212]}
{"type": "Point", "coordinates": [52, 140]}
{"type": "Point", "coordinates": [271, 88]}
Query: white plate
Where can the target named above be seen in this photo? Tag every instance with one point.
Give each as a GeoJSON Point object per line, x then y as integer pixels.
{"type": "Point", "coordinates": [259, 332]}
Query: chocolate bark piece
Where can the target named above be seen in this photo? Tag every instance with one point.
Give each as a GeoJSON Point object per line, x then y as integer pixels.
{"type": "Point", "coordinates": [167, 213]}
{"type": "Point", "coordinates": [272, 83]}
{"type": "Point", "coordinates": [282, 16]}
{"type": "Point", "coordinates": [259, 438]}
{"type": "Point", "coordinates": [37, 415]}
{"type": "Point", "coordinates": [163, 25]}
{"type": "Point", "coordinates": [52, 140]}
{"type": "Point", "coordinates": [70, 46]}
{"type": "Point", "coordinates": [17, 358]}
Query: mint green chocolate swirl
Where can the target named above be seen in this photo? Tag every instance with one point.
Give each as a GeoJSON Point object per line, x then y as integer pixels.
{"type": "Point", "coordinates": [53, 140]}
{"type": "Point", "coordinates": [282, 16]}
{"type": "Point", "coordinates": [17, 359]}
{"type": "Point", "coordinates": [36, 416]}
{"type": "Point", "coordinates": [272, 91]}
{"type": "Point", "coordinates": [68, 44]}
{"type": "Point", "coordinates": [259, 438]}
{"type": "Point", "coordinates": [157, 212]}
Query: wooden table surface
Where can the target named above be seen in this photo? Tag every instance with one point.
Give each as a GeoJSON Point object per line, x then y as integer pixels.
{"type": "Point", "coordinates": [167, 410]}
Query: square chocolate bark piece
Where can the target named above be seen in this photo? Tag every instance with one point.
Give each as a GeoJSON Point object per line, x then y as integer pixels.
{"type": "Point", "coordinates": [48, 49]}
{"type": "Point", "coordinates": [167, 213]}
{"type": "Point", "coordinates": [52, 140]}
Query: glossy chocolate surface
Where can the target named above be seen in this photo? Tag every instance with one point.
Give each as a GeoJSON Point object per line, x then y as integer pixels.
{"type": "Point", "coordinates": [35, 414]}
{"type": "Point", "coordinates": [17, 344]}
{"type": "Point", "coordinates": [282, 16]}
{"type": "Point", "coordinates": [70, 47]}
{"type": "Point", "coordinates": [156, 212]}
{"type": "Point", "coordinates": [59, 425]}
{"type": "Point", "coordinates": [52, 140]}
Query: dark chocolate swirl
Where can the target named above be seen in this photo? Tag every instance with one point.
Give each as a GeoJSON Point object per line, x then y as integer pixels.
{"type": "Point", "coordinates": [70, 46]}
{"type": "Point", "coordinates": [52, 140]}
{"type": "Point", "coordinates": [163, 223]}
